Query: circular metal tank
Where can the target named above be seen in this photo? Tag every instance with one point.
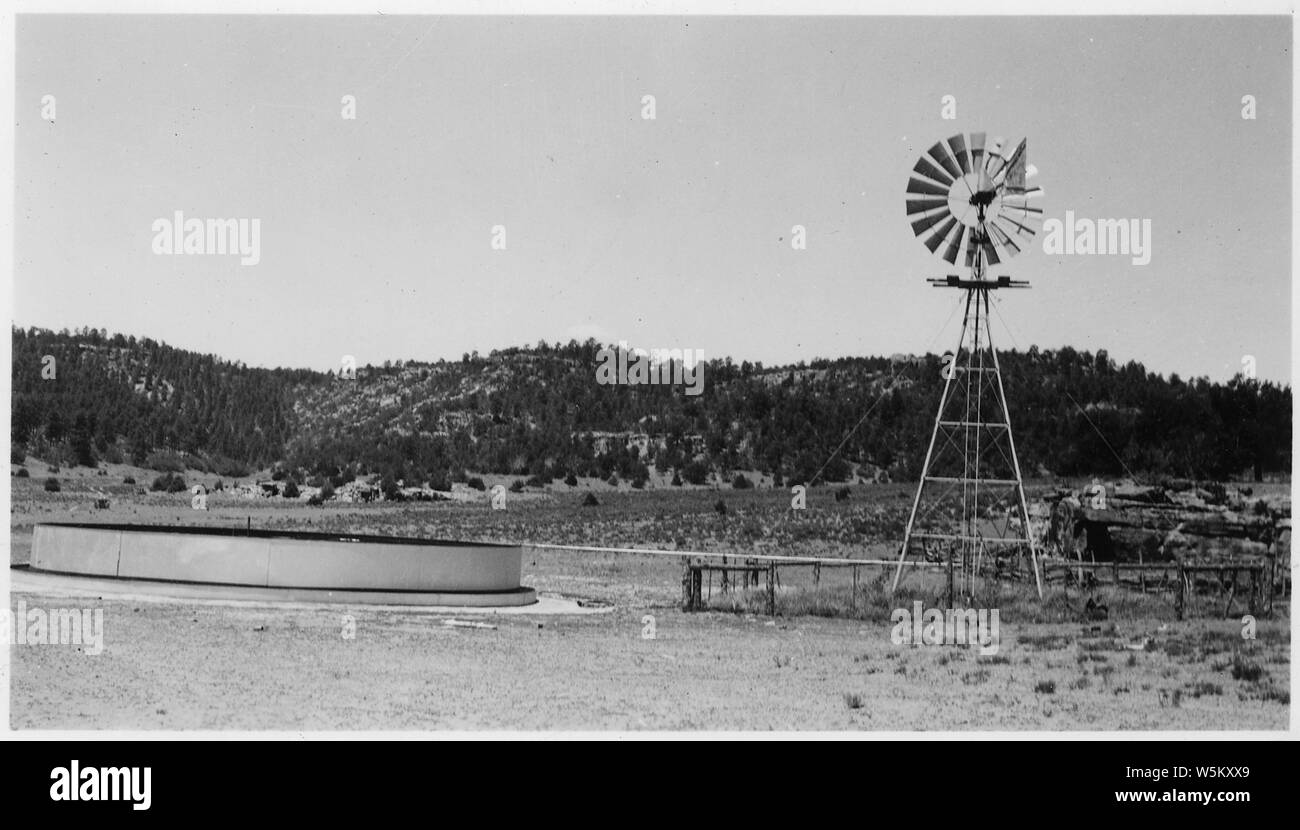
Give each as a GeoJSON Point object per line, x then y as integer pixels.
{"type": "Point", "coordinates": [357, 568]}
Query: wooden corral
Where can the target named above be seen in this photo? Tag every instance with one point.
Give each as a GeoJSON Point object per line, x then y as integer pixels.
{"type": "Point", "coordinates": [1244, 583]}
{"type": "Point", "coordinates": [697, 577]}
{"type": "Point", "coordinates": [1137, 537]}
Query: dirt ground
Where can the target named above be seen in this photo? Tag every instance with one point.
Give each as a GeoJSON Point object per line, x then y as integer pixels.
{"type": "Point", "coordinates": [184, 665]}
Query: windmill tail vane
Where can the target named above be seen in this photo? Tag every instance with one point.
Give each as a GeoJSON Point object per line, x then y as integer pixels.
{"type": "Point", "coordinates": [1016, 169]}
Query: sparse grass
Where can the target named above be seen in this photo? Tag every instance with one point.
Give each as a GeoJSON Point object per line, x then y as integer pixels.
{"type": "Point", "coordinates": [1213, 640]}
{"type": "Point", "coordinates": [1044, 642]}
{"type": "Point", "coordinates": [1045, 687]}
{"type": "Point", "coordinates": [1199, 646]}
{"type": "Point", "coordinates": [1243, 668]}
{"type": "Point", "coordinates": [1204, 688]}
{"type": "Point", "coordinates": [853, 700]}
{"type": "Point", "coordinates": [976, 677]}
{"type": "Point", "coordinates": [993, 660]}
{"type": "Point", "coordinates": [1256, 682]}
{"type": "Point", "coordinates": [1096, 645]}
{"type": "Point", "coordinates": [1265, 692]}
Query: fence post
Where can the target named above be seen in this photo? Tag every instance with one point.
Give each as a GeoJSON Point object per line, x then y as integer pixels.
{"type": "Point", "coordinates": [1181, 600]}
{"type": "Point", "coordinates": [1253, 602]}
{"type": "Point", "coordinates": [771, 589]}
{"type": "Point", "coordinates": [1272, 580]}
{"type": "Point", "coordinates": [1232, 591]}
{"type": "Point", "coordinates": [686, 583]}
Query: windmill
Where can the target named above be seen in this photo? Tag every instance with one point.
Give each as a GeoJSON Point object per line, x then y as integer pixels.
{"type": "Point", "coordinates": [969, 199]}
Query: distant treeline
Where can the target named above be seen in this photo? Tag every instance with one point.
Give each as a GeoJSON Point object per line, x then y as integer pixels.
{"type": "Point", "coordinates": [538, 412]}
{"type": "Point", "coordinates": [82, 397]}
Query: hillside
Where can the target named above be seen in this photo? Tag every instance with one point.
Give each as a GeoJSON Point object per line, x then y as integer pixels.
{"type": "Point", "coordinates": [539, 411]}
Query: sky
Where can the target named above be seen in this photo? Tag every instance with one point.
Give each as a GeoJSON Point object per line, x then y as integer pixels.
{"type": "Point", "coordinates": [376, 233]}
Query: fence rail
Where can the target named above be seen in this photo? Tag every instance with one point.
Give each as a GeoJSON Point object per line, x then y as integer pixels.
{"type": "Point", "coordinates": [1177, 577]}
{"type": "Point", "coordinates": [746, 570]}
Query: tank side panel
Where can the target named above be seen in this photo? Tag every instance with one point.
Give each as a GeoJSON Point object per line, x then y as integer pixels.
{"type": "Point", "coordinates": [76, 550]}
{"type": "Point", "coordinates": [231, 560]}
{"type": "Point", "coordinates": [297, 563]}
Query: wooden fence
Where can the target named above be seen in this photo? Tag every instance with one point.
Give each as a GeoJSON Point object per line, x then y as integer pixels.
{"type": "Point", "coordinates": [697, 577]}
{"type": "Point", "coordinates": [1181, 579]}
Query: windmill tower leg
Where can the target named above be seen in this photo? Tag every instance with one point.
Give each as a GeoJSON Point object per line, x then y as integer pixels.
{"type": "Point", "coordinates": [1020, 483]}
{"type": "Point", "coordinates": [929, 453]}
{"type": "Point", "coordinates": [972, 454]}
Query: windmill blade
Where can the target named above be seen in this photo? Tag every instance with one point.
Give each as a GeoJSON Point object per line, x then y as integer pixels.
{"type": "Point", "coordinates": [924, 188]}
{"type": "Point", "coordinates": [973, 243]}
{"type": "Point", "coordinates": [941, 234]}
{"type": "Point", "coordinates": [993, 162]}
{"type": "Point", "coordinates": [925, 168]}
{"type": "Point", "coordinates": [1004, 239]}
{"type": "Point", "coordinates": [950, 255]}
{"type": "Point", "coordinates": [994, 168]}
{"type": "Point", "coordinates": [940, 154]}
{"type": "Point", "coordinates": [994, 150]}
{"type": "Point", "coordinates": [1021, 229]}
{"type": "Point", "coordinates": [1020, 201]}
{"type": "Point", "coordinates": [929, 220]}
{"type": "Point", "coordinates": [977, 150]}
{"type": "Point", "coordinates": [958, 146]}
{"type": "Point", "coordinates": [990, 252]}
{"type": "Point", "coordinates": [923, 205]}
{"type": "Point", "coordinates": [1023, 210]}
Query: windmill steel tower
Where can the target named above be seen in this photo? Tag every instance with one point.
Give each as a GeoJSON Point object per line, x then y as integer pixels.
{"type": "Point", "coordinates": [970, 511]}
